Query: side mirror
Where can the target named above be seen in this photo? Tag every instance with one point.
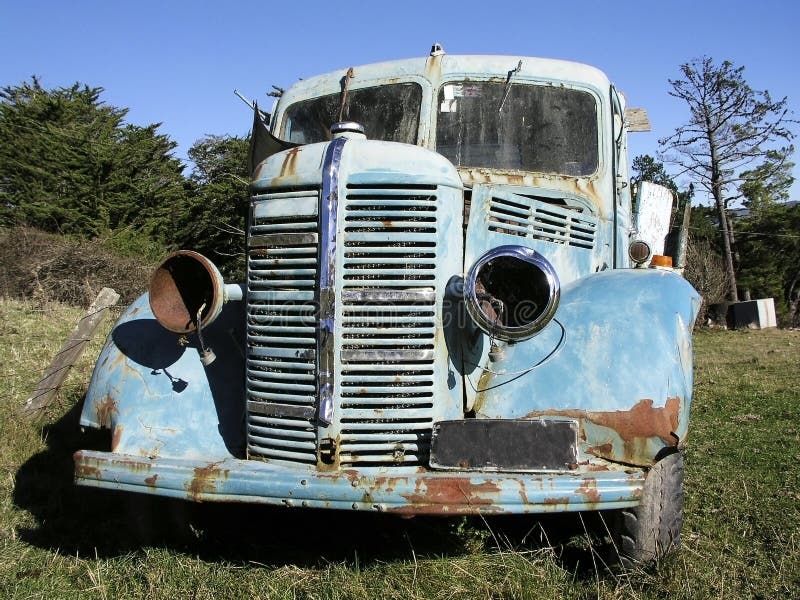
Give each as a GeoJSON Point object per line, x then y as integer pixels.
{"type": "Point", "coordinates": [651, 218]}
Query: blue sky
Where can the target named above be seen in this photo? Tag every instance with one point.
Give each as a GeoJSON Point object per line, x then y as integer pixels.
{"type": "Point", "coordinates": [178, 62]}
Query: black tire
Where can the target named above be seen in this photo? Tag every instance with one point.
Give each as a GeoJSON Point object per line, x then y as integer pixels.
{"type": "Point", "coordinates": [645, 534]}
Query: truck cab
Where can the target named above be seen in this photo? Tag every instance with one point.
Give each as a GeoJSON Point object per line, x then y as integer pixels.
{"type": "Point", "coordinates": [453, 305]}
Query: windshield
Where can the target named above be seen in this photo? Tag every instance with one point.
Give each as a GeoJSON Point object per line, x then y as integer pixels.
{"type": "Point", "coordinates": [387, 112]}
{"type": "Point", "coordinates": [522, 127]}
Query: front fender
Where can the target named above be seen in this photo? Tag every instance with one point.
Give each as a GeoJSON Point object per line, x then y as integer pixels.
{"type": "Point", "coordinates": [151, 390]}
{"type": "Point", "coordinates": [617, 357]}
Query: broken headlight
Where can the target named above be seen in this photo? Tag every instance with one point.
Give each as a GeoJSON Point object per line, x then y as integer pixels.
{"type": "Point", "coordinates": [512, 292]}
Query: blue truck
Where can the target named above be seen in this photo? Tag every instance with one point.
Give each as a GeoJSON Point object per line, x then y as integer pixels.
{"type": "Point", "coordinates": [456, 302]}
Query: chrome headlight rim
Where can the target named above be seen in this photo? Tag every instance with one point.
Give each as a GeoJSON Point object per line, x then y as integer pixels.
{"type": "Point", "coordinates": [503, 332]}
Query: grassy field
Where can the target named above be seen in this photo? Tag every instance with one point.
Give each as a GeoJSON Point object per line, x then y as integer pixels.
{"type": "Point", "coordinates": [741, 538]}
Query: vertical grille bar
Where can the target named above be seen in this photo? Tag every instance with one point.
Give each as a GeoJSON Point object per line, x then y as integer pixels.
{"type": "Point", "coordinates": [329, 224]}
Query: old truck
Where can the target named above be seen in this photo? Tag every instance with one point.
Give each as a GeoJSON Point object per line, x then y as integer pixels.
{"type": "Point", "coordinates": [455, 303]}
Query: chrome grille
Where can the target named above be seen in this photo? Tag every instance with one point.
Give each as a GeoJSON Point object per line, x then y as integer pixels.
{"type": "Point", "coordinates": [388, 312]}
{"type": "Point", "coordinates": [281, 326]}
{"type": "Point", "coordinates": [542, 220]}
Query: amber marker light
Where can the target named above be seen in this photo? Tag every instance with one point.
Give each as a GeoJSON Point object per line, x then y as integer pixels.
{"type": "Point", "coordinates": [659, 260]}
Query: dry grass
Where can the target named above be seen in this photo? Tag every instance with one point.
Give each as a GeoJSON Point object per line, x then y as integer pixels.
{"type": "Point", "coordinates": [50, 268]}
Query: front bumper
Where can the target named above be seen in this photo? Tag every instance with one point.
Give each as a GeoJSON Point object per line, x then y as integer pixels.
{"type": "Point", "coordinates": [410, 492]}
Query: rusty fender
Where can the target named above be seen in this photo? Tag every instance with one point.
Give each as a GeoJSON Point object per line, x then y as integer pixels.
{"type": "Point", "coordinates": [629, 433]}
{"type": "Point", "coordinates": [411, 492]}
{"type": "Point", "coordinates": [620, 363]}
{"type": "Point", "coordinates": [151, 390]}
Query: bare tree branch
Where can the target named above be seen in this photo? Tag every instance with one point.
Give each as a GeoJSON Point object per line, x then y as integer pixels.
{"type": "Point", "coordinates": [731, 127]}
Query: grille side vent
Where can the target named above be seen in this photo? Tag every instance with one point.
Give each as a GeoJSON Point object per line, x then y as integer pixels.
{"type": "Point", "coordinates": [542, 220]}
{"type": "Point", "coordinates": [281, 326]}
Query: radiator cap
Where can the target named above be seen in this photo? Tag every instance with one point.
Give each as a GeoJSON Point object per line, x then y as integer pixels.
{"type": "Point", "coordinates": [348, 129]}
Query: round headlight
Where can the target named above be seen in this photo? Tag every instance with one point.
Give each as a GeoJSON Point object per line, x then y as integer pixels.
{"type": "Point", "coordinates": [184, 284]}
{"type": "Point", "coordinates": [512, 292]}
{"type": "Point", "coordinates": [639, 251]}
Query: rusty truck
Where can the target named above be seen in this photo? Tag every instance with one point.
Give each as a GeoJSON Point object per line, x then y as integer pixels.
{"type": "Point", "coordinates": [456, 302]}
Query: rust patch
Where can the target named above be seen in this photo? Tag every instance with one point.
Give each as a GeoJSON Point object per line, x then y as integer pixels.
{"type": "Point", "coordinates": [640, 421]}
{"type": "Point", "coordinates": [592, 468]}
{"type": "Point", "coordinates": [289, 165]}
{"type": "Point", "coordinates": [105, 410]}
{"type": "Point", "coordinates": [589, 489]}
{"type": "Point", "coordinates": [433, 68]}
{"type": "Point", "coordinates": [151, 481]}
{"type": "Point", "coordinates": [119, 360]}
{"type": "Point", "coordinates": [643, 420]}
{"type": "Point", "coordinates": [334, 464]}
{"type": "Point", "coordinates": [452, 492]}
{"type": "Point", "coordinates": [601, 450]}
{"type": "Point", "coordinates": [352, 476]}
{"type": "Point", "coordinates": [585, 187]}
{"type": "Point", "coordinates": [484, 383]}
{"type": "Point", "coordinates": [552, 501]}
{"type": "Point", "coordinates": [87, 472]}
{"type": "Point", "coordinates": [131, 465]}
{"type": "Point", "coordinates": [116, 437]}
{"type": "Point", "coordinates": [205, 480]}
{"type": "Point", "coordinates": [634, 427]}
{"type": "Point", "coordinates": [388, 484]}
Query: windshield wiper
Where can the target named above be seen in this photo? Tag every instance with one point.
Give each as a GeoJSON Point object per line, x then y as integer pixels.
{"type": "Point", "coordinates": [507, 89]}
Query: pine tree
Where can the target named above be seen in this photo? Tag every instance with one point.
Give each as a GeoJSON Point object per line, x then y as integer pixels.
{"type": "Point", "coordinates": [731, 127]}
{"type": "Point", "coordinates": [70, 164]}
{"type": "Point", "coordinates": [214, 219]}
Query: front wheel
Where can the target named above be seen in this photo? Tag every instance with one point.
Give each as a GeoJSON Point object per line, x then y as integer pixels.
{"type": "Point", "coordinates": [646, 533]}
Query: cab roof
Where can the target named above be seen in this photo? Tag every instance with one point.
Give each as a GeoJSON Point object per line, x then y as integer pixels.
{"type": "Point", "coordinates": [438, 68]}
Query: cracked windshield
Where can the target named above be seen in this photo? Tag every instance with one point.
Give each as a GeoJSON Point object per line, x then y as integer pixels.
{"type": "Point", "coordinates": [521, 127]}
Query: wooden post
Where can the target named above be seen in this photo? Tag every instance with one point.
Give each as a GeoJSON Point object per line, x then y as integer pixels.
{"type": "Point", "coordinates": [69, 354]}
